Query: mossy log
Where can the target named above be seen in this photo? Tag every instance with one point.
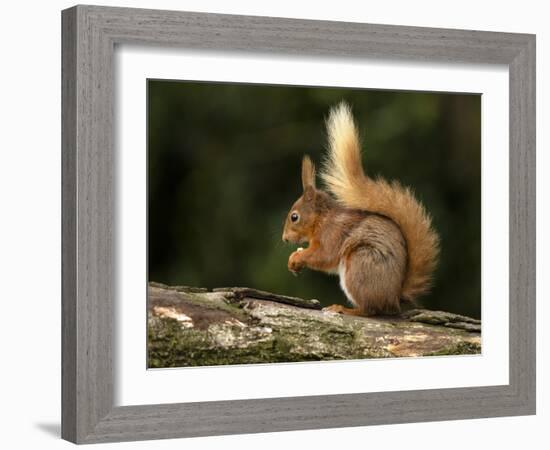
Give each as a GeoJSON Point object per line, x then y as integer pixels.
{"type": "Point", "coordinates": [190, 326]}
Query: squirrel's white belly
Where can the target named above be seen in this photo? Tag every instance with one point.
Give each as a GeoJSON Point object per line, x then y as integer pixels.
{"type": "Point", "coordinates": [342, 273]}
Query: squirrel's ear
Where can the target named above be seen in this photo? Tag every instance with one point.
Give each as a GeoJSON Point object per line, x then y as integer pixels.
{"type": "Point", "coordinates": [308, 173]}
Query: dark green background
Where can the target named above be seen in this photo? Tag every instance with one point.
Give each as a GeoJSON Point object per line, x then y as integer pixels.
{"type": "Point", "coordinates": [224, 168]}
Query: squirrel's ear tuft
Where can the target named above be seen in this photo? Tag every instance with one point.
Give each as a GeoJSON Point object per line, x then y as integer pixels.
{"type": "Point", "coordinates": [308, 173]}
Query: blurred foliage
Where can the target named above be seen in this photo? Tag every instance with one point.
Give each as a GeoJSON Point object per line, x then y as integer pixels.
{"type": "Point", "coordinates": [224, 167]}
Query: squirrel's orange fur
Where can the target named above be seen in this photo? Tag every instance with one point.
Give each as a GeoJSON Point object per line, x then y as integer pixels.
{"type": "Point", "coordinates": [344, 177]}
{"type": "Point", "coordinates": [374, 233]}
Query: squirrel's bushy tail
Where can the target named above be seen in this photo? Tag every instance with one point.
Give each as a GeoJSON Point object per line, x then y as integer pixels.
{"type": "Point", "coordinates": [344, 177]}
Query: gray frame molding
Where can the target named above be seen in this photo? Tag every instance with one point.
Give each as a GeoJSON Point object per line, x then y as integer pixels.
{"type": "Point", "coordinates": [89, 36]}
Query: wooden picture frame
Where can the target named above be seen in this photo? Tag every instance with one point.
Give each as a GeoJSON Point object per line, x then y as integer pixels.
{"type": "Point", "coordinates": [90, 34]}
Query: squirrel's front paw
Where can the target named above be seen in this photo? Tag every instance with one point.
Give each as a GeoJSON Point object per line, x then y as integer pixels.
{"type": "Point", "coordinates": [295, 262]}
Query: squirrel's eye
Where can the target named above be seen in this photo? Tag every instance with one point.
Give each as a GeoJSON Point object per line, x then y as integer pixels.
{"type": "Point", "coordinates": [294, 217]}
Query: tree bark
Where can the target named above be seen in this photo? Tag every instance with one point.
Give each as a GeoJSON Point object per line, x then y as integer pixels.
{"type": "Point", "coordinates": [190, 326]}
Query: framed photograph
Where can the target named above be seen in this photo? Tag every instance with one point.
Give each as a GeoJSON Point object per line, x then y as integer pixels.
{"type": "Point", "coordinates": [268, 222]}
{"type": "Point", "coordinates": [229, 209]}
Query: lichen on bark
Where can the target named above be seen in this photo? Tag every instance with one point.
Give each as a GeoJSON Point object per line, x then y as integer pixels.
{"type": "Point", "coordinates": [190, 326]}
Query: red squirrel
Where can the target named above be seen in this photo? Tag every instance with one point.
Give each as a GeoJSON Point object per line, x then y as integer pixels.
{"type": "Point", "coordinates": [373, 233]}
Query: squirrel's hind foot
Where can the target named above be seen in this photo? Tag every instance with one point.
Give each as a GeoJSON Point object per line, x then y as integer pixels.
{"type": "Point", "coordinates": [340, 309]}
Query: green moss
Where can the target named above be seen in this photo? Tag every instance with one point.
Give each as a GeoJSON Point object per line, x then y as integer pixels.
{"type": "Point", "coordinates": [269, 333]}
{"type": "Point", "coordinates": [460, 348]}
{"type": "Point", "coordinates": [170, 345]}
